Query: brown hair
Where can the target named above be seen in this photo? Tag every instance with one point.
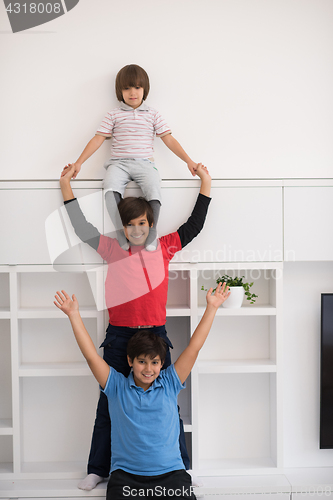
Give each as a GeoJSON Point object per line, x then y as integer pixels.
{"type": "Point", "coordinates": [132, 75]}
{"type": "Point", "coordinates": [146, 343]}
{"type": "Point", "coordinates": [132, 207]}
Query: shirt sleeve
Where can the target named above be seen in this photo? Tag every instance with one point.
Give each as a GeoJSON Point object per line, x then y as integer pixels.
{"type": "Point", "coordinates": [195, 222]}
{"type": "Point", "coordinates": [171, 376]}
{"type": "Point", "coordinates": [106, 127]}
{"type": "Point", "coordinates": [170, 244]}
{"type": "Point", "coordinates": [110, 385]}
{"type": "Point", "coordinates": [85, 231]}
{"type": "Point", "coordinates": [161, 127]}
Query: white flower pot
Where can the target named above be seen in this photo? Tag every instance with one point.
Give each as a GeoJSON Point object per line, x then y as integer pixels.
{"type": "Point", "coordinates": [235, 299]}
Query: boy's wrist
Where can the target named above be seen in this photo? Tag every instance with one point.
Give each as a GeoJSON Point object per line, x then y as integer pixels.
{"type": "Point", "coordinates": [65, 179]}
{"type": "Point", "coordinates": [211, 307]}
{"type": "Point", "coordinates": [74, 314]}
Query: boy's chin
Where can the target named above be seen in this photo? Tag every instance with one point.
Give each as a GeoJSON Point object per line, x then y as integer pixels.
{"type": "Point", "coordinates": [139, 243]}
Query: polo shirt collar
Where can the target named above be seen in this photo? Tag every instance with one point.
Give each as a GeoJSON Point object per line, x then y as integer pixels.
{"type": "Point", "coordinates": [156, 383]}
{"type": "Point", "coordinates": [126, 107]}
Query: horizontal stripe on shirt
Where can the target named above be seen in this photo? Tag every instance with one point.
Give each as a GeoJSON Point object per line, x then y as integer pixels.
{"type": "Point", "coordinates": [133, 130]}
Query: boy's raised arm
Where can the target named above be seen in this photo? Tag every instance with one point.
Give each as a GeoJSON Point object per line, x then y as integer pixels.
{"type": "Point", "coordinates": [194, 224]}
{"type": "Point", "coordinates": [85, 231]}
{"type": "Point", "coordinates": [97, 365]}
{"type": "Point", "coordinates": [65, 183]}
{"type": "Point", "coordinates": [186, 360]}
{"type": "Point", "coordinates": [206, 180]}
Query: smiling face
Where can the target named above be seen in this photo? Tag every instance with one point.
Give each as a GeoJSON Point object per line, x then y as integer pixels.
{"type": "Point", "coordinates": [137, 230]}
{"type": "Point", "coordinates": [145, 369]}
{"type": "Point", "coordinates": [133, 96]}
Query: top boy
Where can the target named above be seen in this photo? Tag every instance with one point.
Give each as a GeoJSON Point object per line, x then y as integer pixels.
{"type": "Point", "coordinates": [132, 127]}
{"type": "Point", "coordinates": [132, 89]}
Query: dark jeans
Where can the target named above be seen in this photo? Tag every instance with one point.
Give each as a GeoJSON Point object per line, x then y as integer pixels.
{"type": "Point", "coordinates": [115, 354]}
{"type": "Point", "coordinates": [175, 484]}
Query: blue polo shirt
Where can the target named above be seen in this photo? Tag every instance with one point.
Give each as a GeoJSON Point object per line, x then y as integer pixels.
{"type": "Point", "coordinates": [144, 424]}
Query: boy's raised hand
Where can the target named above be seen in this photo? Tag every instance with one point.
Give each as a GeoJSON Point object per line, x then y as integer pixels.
{"type": "Point", "coordinates": [202, 172]}
{"type": "Point", "coordinates": [68, 172]}
{"type": "Point", "coordinates": [221, 294]}
{"type": "Point", "coordinates": [65, 303]}
{"type": "Point", "coordinates": [74, 167]}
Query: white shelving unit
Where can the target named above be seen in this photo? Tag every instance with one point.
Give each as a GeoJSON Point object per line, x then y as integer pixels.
{"type": "Point", "coordinates": [232, 406]}
{"type": "Point", "coordinates": [236, 388]}
{"type": "Point", "coordinates": [47, 387]}
{"type": "Point", "coordinates": [47, 392]}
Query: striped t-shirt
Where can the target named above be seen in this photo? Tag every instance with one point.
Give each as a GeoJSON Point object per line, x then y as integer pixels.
{"type": "Point", "coordinates": [133, 130]}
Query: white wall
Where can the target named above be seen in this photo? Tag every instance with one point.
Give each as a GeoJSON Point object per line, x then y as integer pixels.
{"type": "Point", "coordinates": [244, 84]}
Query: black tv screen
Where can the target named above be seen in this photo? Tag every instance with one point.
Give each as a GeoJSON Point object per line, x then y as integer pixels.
{"type": "Point", "coordinates": [326, 372]}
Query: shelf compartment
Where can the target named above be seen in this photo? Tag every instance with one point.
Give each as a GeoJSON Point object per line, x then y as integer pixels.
{"type": "Point", "coordinates": [178, 331]}
{"type": "Point", "coordinates": [5, 375]}
{"type": "Point", "coordinates": [4, 294]}
{"type": "Point", "coordinates": [237, 339]}
{"type": "Point", "coordinates": [36, 290]}
{"type": "Point", "coordinates": [50, 345]}
{"type": "Point", "coordinates": [57, 420]}
{"type": "Point", "coordinates": [264, 285]}
{"type": "Point", "coordinates": [236, 421]}
{"type": "Point", "coordinates": [179, 291]}
{"type": "Point", "coordinates": [6, 454]}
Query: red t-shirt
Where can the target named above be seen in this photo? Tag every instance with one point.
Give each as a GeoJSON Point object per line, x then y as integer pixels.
{"type": "Point", "coordinates": [136, 285]}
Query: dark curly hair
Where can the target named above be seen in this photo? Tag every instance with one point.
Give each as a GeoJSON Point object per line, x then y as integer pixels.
{"type": "Point", "coordinates": [146, 343]}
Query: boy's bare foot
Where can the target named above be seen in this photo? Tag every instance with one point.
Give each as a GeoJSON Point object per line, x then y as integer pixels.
{"type": "Point", "coordinates": [90, 482]}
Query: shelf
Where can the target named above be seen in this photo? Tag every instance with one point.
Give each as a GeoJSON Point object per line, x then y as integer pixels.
{"type": "Point", "coordinates": [55, 470]}
{"type": "Point", "coordinates": [6, 428]}
{"type": "Point", "coordinates": [254, 484]}
{"type": "Point", "coordinates": [237, 366]}
{"type": "Point", "coordinates": [52, 313]}
{"type": "Point", "coordinates": [263, 310]}
{"type": "Point", "coordinates": [49, 489]}
{"type": "Point", "coordinates": [181, 310]}
{"type": "Point", "coordinates": [241, 466]}
{"type": "Point", "coordinates": [54, 370]}
{"type": "Point", "coordinates": [4, 313]}
{"type": "Point", "coordinates": [187, 423]}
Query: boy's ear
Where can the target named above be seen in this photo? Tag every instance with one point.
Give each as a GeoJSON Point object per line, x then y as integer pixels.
{"type": "Point", "coordinates": [129, 361]}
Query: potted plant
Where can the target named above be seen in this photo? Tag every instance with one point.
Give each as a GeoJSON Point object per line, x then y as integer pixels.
{"type": "Point", "coordinates": [238, 289]}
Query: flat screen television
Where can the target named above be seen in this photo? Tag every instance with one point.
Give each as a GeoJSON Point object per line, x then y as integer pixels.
{"type": "Point", "coordinates": [326, 372]}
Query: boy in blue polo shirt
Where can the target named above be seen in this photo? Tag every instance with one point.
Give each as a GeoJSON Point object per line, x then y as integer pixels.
{"type": "Point", "coordinates": [146, 459]}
